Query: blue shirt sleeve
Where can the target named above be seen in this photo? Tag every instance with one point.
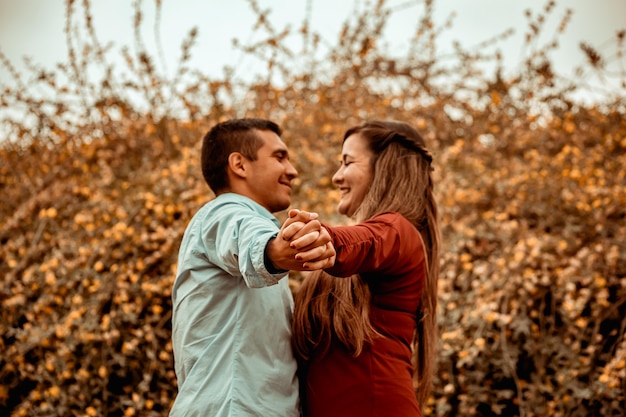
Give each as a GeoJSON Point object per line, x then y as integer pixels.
{"type": "Point", "coordinates": [235, 234]}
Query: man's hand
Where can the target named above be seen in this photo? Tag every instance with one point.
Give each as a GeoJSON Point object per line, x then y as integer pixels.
{"type": "Point", "coordinates": [301, 228]}
{"type": "Point", "coordinates": [302, 244]}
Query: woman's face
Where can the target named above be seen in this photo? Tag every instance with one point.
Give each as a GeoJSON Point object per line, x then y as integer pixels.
{"type": "Point", "coordinates": [355, 174]}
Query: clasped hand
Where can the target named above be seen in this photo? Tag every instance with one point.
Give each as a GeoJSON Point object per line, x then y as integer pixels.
{"type": "Point", "coordinates": [302, 244]}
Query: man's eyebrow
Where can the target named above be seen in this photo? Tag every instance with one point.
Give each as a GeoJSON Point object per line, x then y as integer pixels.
{"type": "Point", "coordinates": [281, 152]}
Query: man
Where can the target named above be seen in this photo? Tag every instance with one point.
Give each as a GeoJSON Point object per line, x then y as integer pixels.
{"type": "Point", "coordinates": [232, 306]}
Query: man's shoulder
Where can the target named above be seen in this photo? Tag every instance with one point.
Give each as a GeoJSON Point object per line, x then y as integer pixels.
{"type": "Point", "coordinates": [231, 206]}
{"type": "Point", "coordinates": [233, 200]}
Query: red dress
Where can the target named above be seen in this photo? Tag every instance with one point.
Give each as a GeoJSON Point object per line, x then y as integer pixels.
{"type": "Point", "coordinates": [388, 253]}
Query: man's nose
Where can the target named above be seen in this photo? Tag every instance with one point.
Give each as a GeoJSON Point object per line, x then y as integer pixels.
{"type": "Point", "coordinates": [291, 170]}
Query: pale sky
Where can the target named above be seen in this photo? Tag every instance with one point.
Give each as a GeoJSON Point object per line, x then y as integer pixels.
{"type": "Point", "coordinates": [35, 28]}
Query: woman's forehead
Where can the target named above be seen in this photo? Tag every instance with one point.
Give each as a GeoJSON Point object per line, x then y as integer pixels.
{"type": "Point", "coordinates": [355, 145]}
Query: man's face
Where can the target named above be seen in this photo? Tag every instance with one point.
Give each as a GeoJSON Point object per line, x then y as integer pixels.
{"type": "Point", "coordinates": [269, 182]}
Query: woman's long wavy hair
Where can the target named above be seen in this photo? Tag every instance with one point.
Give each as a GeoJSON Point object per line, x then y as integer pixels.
{"type": "Point", "coordinates": [327, 307]}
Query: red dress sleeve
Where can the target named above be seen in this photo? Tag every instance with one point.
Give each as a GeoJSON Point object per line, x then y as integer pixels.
{"type": "Point", "coordinates": [386, 244]}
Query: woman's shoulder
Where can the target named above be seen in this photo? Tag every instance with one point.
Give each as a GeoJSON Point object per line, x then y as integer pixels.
{"type": "Point", "coordinates": [387, 226]}
{"type": "Point", "coordinates": [392, 218]}
{"type": "Point", "coordinates": [402, 227]}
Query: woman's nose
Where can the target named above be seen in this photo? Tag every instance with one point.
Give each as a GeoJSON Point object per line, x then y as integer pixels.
{"type": "Point", "coordinates": [338, 176]}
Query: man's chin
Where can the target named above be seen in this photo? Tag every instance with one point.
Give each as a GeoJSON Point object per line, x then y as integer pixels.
{"type": "Point", "coordinates": [281, 207]}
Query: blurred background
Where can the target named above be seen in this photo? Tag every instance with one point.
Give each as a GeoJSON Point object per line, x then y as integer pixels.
{"type": "Point", "coordinates": [35, 28]}
{"type": "Point", "coordinates": [521, 104]}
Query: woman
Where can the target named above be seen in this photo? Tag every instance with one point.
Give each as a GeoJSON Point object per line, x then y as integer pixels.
{"type": "Point", "coordinates": [355, 336]}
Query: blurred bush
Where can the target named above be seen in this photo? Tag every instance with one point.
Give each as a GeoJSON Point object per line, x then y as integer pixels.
{"type": "Point", "coordinates": [99, 174]}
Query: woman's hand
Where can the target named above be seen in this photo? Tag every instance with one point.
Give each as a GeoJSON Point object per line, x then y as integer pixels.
{"type": "Point", "coordinates": [302, 244]}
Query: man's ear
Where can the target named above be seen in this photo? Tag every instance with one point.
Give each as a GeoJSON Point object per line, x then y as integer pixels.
{"type": "Point", "coordinates": [237, 164]}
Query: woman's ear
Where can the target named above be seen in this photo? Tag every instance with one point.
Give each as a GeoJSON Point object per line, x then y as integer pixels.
{"type": "Point", "coordinates": [236, 164]}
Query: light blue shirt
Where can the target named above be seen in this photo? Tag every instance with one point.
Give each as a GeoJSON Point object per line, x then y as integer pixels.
{"type": "Point", "coordinates": [231, 321]}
